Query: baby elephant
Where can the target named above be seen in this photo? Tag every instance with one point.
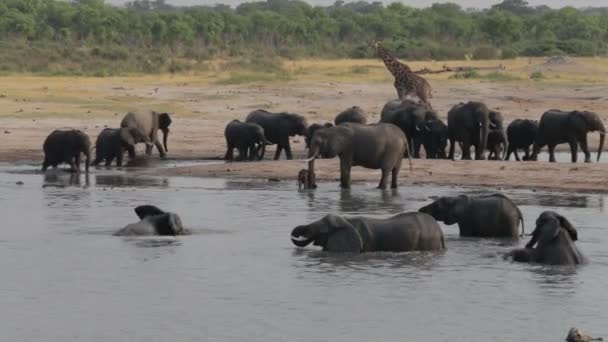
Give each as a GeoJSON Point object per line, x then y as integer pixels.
{"type": "Point", "coordinates": [153, 221]}
{"type": "Point", "coordinates": [109, 145]}
{"type": "Point", "coordinates": [65, 146]}
{"type": "Point", "coordinates": [554, 238]}
{"type": "Point", "coordinates": [400, 233]}
{"type": "Point", "coordinates": [247, 137]}
{"type": "Point", "coordinates": [576, 335]}
{"type": "Point", "coordinates": [306, 180]}
{"type": "Point", "coordinates": [481, 216]}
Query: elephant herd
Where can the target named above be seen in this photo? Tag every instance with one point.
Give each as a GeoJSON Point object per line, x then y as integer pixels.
{"type": "Point", "coordinates": [67, 145]}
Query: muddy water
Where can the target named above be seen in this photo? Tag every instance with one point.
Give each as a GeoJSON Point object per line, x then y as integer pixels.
{"type": "Point", "coordinates": [239, 278]}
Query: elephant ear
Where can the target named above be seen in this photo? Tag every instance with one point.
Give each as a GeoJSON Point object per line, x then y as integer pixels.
{"type": "Point", "coordinates": [549, 231]}
{"type": "Point", "coordinates": [164, 121]}
{"type": "Point", "coordinates": [342, 235]}
{"type": "Point", "coordinates": [126, 136]}
{"type": "Point", "coordinates": [143, 211]}
{"type": "Point", "coordinates": [568, 227]}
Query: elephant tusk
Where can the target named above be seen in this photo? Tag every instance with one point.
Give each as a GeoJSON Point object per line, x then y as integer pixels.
{"type": "Point", "coordinates": [310, 159]}
{"type": "Point", "coordinates": [299, 238]}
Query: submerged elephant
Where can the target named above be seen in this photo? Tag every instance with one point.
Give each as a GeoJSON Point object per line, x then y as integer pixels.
{"type": "Point", "coordinates": [109, 146]}
{"type": "Point", "coordinates": [554, 238]}
{"type": "Point", "coordinates": [247, 137]}
{"type": "Point", "coordinates": [278, 127]}
{"type": "Point", "coordinates": [520, 135]}
{"type": "Point", "coordinates": [481, 216]}
{"type": "Point", "coordinates": [400, 233]}
{"type": "Point", "coordinates": [378, 146]}
{"type": "Point", "coordinates": [559, 127]}
{"type": "Point", "coordinates": [353, 114]}
{"type": "Point", "coordinates": [65, 146]}
{"type": "Point", "coordinates": [153, 221]}
{"type": "Point", "coordinates": [468, 123]}
{"type": "Point", "coordinates": [143, 127]}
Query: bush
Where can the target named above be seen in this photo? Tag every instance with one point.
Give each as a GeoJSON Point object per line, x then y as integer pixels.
{"type": "Point", "coordinates": [537, 76]}
{"type": "Point", "coordinates": [508, 53]}
{"type": "Point", "coordinates": [485, 52]}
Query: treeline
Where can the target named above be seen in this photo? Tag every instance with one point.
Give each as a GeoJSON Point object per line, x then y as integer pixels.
{"type": "Point", "coordinates": [149, 36]}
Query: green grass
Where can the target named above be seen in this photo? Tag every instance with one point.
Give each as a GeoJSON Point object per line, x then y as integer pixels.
{"type": "Point", "coordinates": [254, 77]}
{"type": "Point", "coordinates": [492, 76]}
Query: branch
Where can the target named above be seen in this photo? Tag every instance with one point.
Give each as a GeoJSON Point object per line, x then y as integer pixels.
{"type": "Point", "coordinates": [446, 68]}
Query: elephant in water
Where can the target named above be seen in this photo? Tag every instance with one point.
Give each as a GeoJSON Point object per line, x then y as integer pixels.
{"type": "Point", "coordinates": [400, 233]}
{"type": "Point", "coordinates": [554, 238]}
{"type": "Point", "coordinates": [153, 221]}
{"type": "Point", "coordinates": [377, 146]}
{"type": "Point", "coordinates": [481, 216]}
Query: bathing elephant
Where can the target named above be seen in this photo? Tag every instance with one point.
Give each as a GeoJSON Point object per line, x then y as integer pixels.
{"type": "Point", "coordinates": [558, 127]}
{"type": "Point", "coordinates": [400, 233]}
{"type": "Point", "coordinates": [377, 146]}
{"type": "Point", "coordinates": [311, 130]}
{"type": "Point", "coordinates": [65, 146]}
{"type": "Point", "coordinates": [468, 123]}
{"type": "Point", "coordinates": [353, 114]}
{"type": "Point", "coordinates": [278, 127]}
{"type": "Point", "coordinates": [520, 135]}
{"type": "Point", "coordinates": [143, 127]}
{"type": "Point", "coordinates": [552, 243]}
{"type": "Point", "coordinates": [247, 137]}
{"type": "Point", "coordinates": [109, 145]}
{"type": "Point", "coordinates": [434, 138]}
{"type": "Point", "coordinates": [153, 221]}
{"type": "Point", "coordinates": [481, 216]}
{"type": "Point", "coordinates": [412, 119]}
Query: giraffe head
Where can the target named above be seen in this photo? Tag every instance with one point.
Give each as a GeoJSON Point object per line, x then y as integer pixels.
{"type": "Point", "coordinates": [375, 44]}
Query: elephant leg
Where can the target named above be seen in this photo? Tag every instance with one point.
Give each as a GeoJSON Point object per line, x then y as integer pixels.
{"type": "Point", "coordinates": [277, 154]}
{"type": "Point", "coordinates": [131, 151]}
{"type": "Point", "coordinates": [452, 146]}
{"type": "Point", "coordinates": [45, 164]}
{"type": "Point", "coordinates": [108, 161]}
{"type": "Point", "coordinates": [119, 158]}
{"type": "Point", "coordinates": [148, 150]}
{"type": "Point", "coordinates": [159, 147]}
{"type": "Point", "coordinates": [252, 152]}
{"type": "Point", "coordinates": [517, 156]}
{"type": "Point", "coordinates": [573, 151]}
{"type": "Point", "coordinates": [261, 151]}
{"type": "Point", "coordinates": [417, 146]}
{"type": "Point", "coordinates": [585, 148]}
{"type": "Point", "coordinates": [395, 176]}
{"type": "Point", "coordinates": [466, 150]}
{"type": "Point", "coordinates": [527, 153]}
{"type": "Point", "coordinates": [551, 153]}
{"type": "Point", "coordinates": [383, 179]}
{"type": "Point", "coordinates": [229, 156]}
{"type": "Point", "coordinates": [288, 151]}
{"type": "Point", "coordinates": [345, 173]}
{"type": "Point", "coordinates": [242, 154]}
{"type": "Point", "coordinates": [535, 151]}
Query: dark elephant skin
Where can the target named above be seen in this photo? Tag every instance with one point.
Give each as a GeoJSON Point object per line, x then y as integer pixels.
{"type": "Point", "coordinates": [520, 135]}
{"type": "Point", "coordinates": [552, 243]}
{"type": "Point", "coordinates": [400, 233]}
{"type": "Point", "coordinates": [434, 138]}
{"type": "Point", "coordinates": [65, 146]}
{"type": "Point", "coordinates": [468, 123]}
{"type": "Point", "coordinates": [278, 127]}
{"type": "Point", "coordinates": [311, 130]}
{"type": "Point", "coordinates": [497, 144]}
{"type": "Point", "coordinates": [153, 221]}
{"type": "Point", "coordinates": [479, 216]}
{"type": "Point", "coordinates": [411, 118]}
{"type": "Point", "coordinates": [142, 127]}
{"type": "Point", "coordinates": [109, 146]}
{"type": "Point", "coordinates": [378, 146]}
{"type": "Point", "coordinates": [247, 137]}
{"type": "Point", "coordinates": [353, 114]}
{"type": "Point", "coordinates": [559, 127]}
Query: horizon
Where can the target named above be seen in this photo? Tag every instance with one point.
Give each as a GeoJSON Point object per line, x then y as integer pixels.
{"type": "Point", "coordinates": [479, 4]}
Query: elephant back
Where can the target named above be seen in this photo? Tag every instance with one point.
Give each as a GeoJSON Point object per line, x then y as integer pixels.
{"type": "Point", "coordinates": [354, 114]}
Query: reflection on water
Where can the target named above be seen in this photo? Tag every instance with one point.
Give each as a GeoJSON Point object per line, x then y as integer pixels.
{"type": "Point", "coordinates": [62, 179]}
{"type": "Point", "coordinates": [240, 275]}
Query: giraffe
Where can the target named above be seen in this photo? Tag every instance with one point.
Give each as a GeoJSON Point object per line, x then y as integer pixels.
{"type": "Point", "coordinates": [406, 81]}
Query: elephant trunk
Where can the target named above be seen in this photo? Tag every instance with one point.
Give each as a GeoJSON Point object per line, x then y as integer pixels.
{"type": "Point", "coordinates": [484, 135]}
{"type": "Point", "coordinates": [602, 138]}
{"type": "Point", "coordinates": [165, 135]}
{"type": "Point", "coordinates": [505, 144]}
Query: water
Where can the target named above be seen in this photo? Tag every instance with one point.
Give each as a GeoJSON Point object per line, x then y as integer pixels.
{"type": "Point", "coordinates": [239, 278]}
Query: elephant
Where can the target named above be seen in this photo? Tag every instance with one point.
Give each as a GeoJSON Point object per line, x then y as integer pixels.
{"type": "Point", "coordinates": [247, 137]}
{"type": "Point", "coordinates": [434, 138]}
{"type": "Point", "coordinates": [468, 123]}
{"type": "Point", "coordinates": [109, 145]}
{"type": "Point", "coordinates": [497, 144]}
{"type": "Point", "coordinates": [576, 335]}
{"type": "Point", "coordinates": [377, 146]}
{"type": "Point", "coordinates": [558, 127]}
{"type": "Point", "coordinates": [411, 118]}
{"type": "Point", "coordinates": [143, 127]}
{"type": "Point", "coordinates": [311, 130]}
{"type": "Point", "coordinates": [552, 243]}
{"type": "Point", "coordinates": [65, 146]}
{"type": "Point", "coordinates": [353, 114]}
{"type": "Point", "coordinates": [278, 127]}
{"type": "Point", "coordinates": [492, 215]}
{"type": "Point", "coordinates": [401, 233]}
{"type": "Point", "coordinates": [520, 135]}
{"type": "Point", "coordinates": [153, 221]}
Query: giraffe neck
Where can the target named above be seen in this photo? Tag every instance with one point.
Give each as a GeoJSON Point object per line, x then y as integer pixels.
{"type": "Point", "coordinates": [392, 64]}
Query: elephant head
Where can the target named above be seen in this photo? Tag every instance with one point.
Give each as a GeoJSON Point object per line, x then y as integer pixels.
{"type": "Point", "coordinates": [435, 139]}
{"type": "Point", "coordinates": [154, 221]}
{"type": "Point", "coordinates": [332, 232]}
{"type": "Point", "coordinates": [592, 122]}
{"type": "Point", "coordinates": [447, 209]}
{"type": "Point", "coordinates": [296, 124]}
{"type": "Point", "coordinates": [164, 121]}
{"type": "Point", "coordinates": [312, 129]}
{"type": "Point", "coordinates": [548, 226]}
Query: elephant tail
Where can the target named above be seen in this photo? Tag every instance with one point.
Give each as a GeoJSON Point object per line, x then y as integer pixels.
{"type": "Point", "coordinates": [521, 219]}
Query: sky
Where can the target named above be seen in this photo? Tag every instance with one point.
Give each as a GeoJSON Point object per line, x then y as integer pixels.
{"type": "Point", "coordinates": [416, 3]}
